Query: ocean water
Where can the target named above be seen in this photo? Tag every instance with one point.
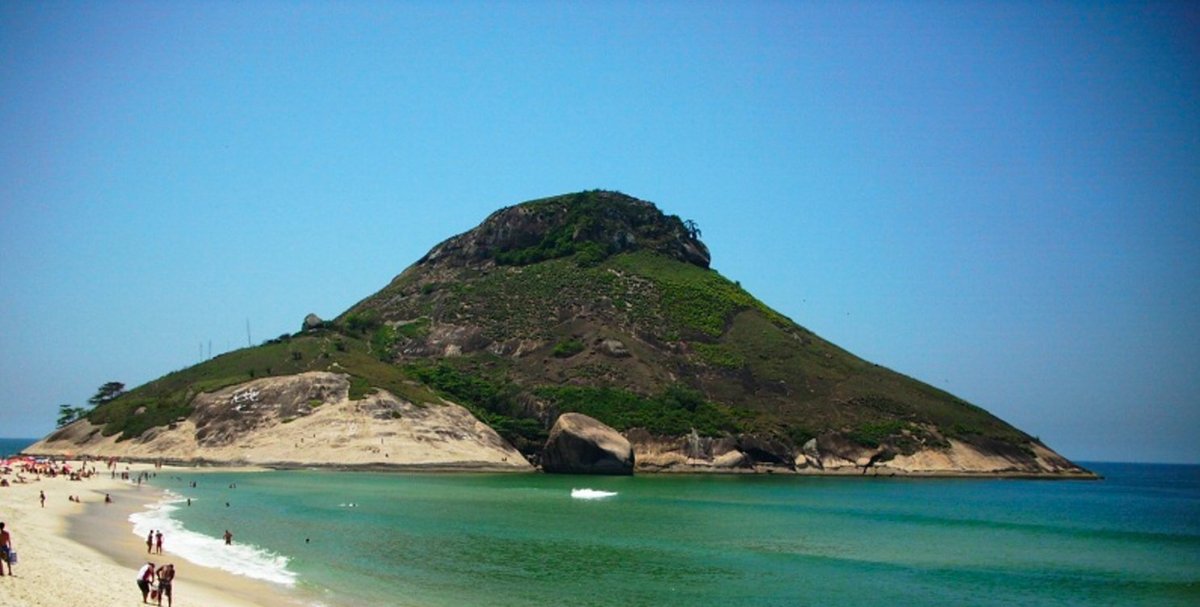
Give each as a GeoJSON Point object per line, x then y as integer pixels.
{"type": "Point", "coordinates": [478, 539]}
{"type": "Point", "coordinates": [13, 446]}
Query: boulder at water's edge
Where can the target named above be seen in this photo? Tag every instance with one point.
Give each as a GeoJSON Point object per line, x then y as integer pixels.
{"type": "Point", "coordinates": [579, 444]}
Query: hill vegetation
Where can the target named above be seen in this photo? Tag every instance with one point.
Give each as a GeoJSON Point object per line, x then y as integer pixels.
{"type": "Point", "coordinates": [598, 303]}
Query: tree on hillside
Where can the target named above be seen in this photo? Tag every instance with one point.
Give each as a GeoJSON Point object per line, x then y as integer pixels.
{"type": "Point", "coordinates": [108, 392]}
{"type": "Point", "coordinates": [693, 230]}
{"type": "Point", "coordinates": [68, 414]}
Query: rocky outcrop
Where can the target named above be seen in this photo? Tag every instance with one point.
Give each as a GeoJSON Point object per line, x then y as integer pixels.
{"type": "Point", "coordinates": [614, 348]}
{"type": "Point", "coordinates": [579, 444]}
{"type": "Point", "coordinates": [620, 223]}
{"type": "Point", "coordinates": [766, 449]}
{"type": "Point", "coordinates": [835, 455]}
{"type": "Point", "coordinates": [305, 420]}
{"type": "Point", "coordinates": [312, 321]}
{"type": "Point", "coordinates": [732, 459]}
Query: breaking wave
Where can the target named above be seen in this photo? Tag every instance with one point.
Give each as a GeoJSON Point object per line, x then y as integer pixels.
{"type": "Point", "coordinates": [590, 494]}
{"type": "Point", "coordinates": [241, 559]}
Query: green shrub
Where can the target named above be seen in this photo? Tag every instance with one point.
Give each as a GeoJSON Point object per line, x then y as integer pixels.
{"type": "Point", "coordinates": [414, 330]}
{"type": "Point", "coordinates": [567, 349]}
{"type": "Point", "coordinates": [676, 411]}
{"type": "Point", "coordinates": [382, 341]}
{"type": "Point", "coordinates": [133, 416]}
{"type": "Point", "coordinates": [362, 322]}
{"type": "Point", "coordinates": [874, 434]}
{"type": "Point", "coordinates": [495, 402]}
{"type": "Point", "coordinates": [719, 355]}
{"type": "Point", "coordinates": [590, 254]}
{"type": "Point", "coordinates": [360, 388]}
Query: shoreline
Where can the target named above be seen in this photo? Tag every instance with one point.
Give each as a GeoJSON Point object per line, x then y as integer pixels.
{"type": "Point", "coordinates": [207, 465]}
{"type": "Point", "coordinates": [86, 553]}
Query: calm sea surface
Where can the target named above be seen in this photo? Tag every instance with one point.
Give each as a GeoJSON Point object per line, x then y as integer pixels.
{"type": "Point", "coordinates": [466, 539]}
{"type": "Point", "coordinates": [12, 446]}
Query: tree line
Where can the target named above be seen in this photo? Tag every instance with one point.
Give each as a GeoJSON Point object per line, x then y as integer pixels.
{"type": "Point", "coordinates": [108, 392]}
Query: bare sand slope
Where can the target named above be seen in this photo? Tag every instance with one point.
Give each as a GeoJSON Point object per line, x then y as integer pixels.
{"type": "Point", "coordinates": [304, 420]}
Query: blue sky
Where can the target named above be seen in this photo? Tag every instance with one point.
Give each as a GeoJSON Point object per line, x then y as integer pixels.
{"type": "Point", "coordinates": [1001, 199]}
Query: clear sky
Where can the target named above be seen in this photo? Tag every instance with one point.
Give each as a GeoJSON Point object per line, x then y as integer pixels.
{"type": "Point", "coordinates": [999, 198]}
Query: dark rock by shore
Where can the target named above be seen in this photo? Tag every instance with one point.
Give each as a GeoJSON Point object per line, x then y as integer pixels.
{"type": "Point", "coordinates": [579, 444]}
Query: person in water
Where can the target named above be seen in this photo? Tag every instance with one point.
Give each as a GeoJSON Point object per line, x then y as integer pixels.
{"type": "Point", "coordinates": [166, 574]}
{"type": "Point", "coordinates": [228, 538]}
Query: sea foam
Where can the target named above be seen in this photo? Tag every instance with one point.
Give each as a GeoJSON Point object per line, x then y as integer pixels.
{"type": "Point", "coordinates": [590, 494]}
{"type": "Point", "coordinates": [241, 559]}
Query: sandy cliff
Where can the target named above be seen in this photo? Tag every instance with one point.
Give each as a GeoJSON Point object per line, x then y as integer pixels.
{"type": "Point", "coordinates": [305, 420]}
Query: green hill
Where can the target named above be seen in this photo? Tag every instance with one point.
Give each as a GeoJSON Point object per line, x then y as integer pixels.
{"type": "Point", "coordinates": [599, 303]}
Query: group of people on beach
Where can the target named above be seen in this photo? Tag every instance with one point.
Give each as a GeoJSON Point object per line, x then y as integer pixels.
{"type": "Point", "coordinates": [154, 541]}
{"type": "Point", "coordinates": [42, 468]}
{"type": "Point", "coordinates": [153, 581]}
{"type": "Point", "coordinates": [156, 583]}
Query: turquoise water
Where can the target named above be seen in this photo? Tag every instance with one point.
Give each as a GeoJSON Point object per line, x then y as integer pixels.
{"type": "Point", "coordinates": [434, 540]}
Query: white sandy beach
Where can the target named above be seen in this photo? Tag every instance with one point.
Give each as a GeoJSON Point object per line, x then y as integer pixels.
{"type": "Point", "coordinates": [55, 569]}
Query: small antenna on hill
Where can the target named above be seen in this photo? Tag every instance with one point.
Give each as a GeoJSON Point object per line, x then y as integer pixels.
{"type": "Point", "coordinates": [248, 341]}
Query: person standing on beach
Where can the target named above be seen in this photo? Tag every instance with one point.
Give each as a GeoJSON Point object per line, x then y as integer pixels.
{"type": "Point", "coordinates": [42, 496]}
{"type": "Point", "coordinates": [150, 542]}
{"type": "Point", "coordinates": [166, 573]}
{"type": "Point", "coordinates": [5, 550]}
{"type": "Point", "coordinates": [158, 542]}
{"type": "Point", "coordinates": [145, 577]}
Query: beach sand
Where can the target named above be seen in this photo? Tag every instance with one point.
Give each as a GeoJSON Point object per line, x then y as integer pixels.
{"type": "Point", "coordinates": [87, 554]}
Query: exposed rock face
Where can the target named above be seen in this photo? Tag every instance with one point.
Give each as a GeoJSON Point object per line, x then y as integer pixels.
{"type": "Point", "coordinates": [305, 420]}
{"type": "Point", "coordinates": [765, 449]}
{"type": "Point", "coordinates": [629, 224]}
{"type": "Point", "coordinates": [834, 455]}
{"type": "Point", "coordinates": [579, 444]}
{"type": "Point", "coordinates": [614, 347]}
{"type": "Point", "coordinates": [732, 459]}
